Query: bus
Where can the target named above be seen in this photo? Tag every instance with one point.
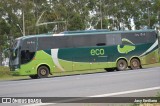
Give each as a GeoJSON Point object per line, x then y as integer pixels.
{"type": "Point", "coordinates": [38, 56]}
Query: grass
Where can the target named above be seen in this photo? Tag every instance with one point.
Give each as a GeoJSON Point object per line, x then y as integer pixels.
{"type": "Point", "coordinates": [5, 74]}
{"type": "Point", "coordinates": [152, 65]}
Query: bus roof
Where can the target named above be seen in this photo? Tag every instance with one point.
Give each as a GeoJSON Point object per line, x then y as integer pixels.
{"type": "Point", "coordinates": [85, 32]}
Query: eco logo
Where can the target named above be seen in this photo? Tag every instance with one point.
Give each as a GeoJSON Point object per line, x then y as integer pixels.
{"type": "Point", "coordinates": [126, 48]}
{"type": "Point", "coordinates": [97, 52]}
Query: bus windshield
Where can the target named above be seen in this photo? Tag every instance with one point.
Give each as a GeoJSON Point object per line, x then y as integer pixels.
{"type": "Point", "coordinates": [14, 53]}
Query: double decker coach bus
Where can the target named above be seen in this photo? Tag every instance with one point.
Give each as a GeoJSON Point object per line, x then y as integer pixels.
{"type": "Point", "coordinates": [40, 55]}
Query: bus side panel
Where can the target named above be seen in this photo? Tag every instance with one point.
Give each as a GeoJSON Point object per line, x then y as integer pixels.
{"type": "Point", "coordinates": [41, 58]}
{"type": "Point", "coordinates": [101, 56]}
{"type": "Point", "coordinates": [72, 59]}
{"type": "Point", "coordinates": [87, 58]}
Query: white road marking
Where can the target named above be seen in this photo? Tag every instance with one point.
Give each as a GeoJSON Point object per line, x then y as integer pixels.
{"type": "Point", "coordinates": [103, 95]}
{"type": "Point", "coordinates": [39, 104]}
{"type": "Point", "coordinates": [126, 92]}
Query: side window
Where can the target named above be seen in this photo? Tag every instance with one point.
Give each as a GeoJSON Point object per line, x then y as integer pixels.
{"type": "Point", "coordinates": [81, 40]}
{"type": "Point", "coordinates": [98, 40]}
{"type": "Point", "coordinates": [139, 37]}
{"type": "Point", "coordinates": [26, 56]}
{"type": "Point", "coordinates": [61, 42]}
{"type": "Point", "coordinates": [88, 40]}
{"type": "Point", "coordinates": [151, 37]}
{"type": "Point", "coordinates": [45, 43]}
{"type": "Point", "coordinates": [29, 44]}
{"type": "Point", "coordinates": [67, 42]}
{"type": "Point", "coordinates": [113, 39]}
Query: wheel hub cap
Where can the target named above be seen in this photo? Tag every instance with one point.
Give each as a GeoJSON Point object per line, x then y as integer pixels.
{"type": "Point", "coordinates": [43, 71]}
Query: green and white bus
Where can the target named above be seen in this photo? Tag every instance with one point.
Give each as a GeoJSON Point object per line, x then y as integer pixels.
{"type": "Point", "coordinates": [38, 56]}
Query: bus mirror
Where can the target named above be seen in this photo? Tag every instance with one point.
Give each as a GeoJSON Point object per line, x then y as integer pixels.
{"type": "Point", "coordinates": [14, 53]}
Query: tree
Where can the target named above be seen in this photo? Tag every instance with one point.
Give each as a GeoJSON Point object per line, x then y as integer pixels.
{"type": "Point", "coordinates": [4, 31]}
{"type": "Point", "coordinates": [75, 15]}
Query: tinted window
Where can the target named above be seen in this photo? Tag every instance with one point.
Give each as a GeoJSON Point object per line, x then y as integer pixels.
{"type": "Point", "coordinates": [54, 42]}
{"type": "Point", "coordinates": [88, 40]}
{"type": "Point", "coordinates": [81, 41]}
{"type": "Point", "coordinates": [29, 44]}
{"type": "Point", "coordinates": [98, 40]}
{"type": "Point", "coordinates": [140, 37]}
{"type": "Point", "coordinates": [26, 56]}
{"type": "Point", "coordinates": [78, 41]}
{"type": "Point", "coordinates": [113, 39]}
{"type": "Point", "coordinates": [152, 36]}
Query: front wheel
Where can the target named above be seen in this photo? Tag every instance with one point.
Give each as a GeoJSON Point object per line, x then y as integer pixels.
{"type": "Point", "coordinates": [135, 64]}
{"type": "Point", "coordinates": [43, 72]}
{"type": "Point", "coordinates": [121, 65]}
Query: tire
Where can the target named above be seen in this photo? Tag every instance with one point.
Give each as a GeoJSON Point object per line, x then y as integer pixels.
{"type": "Point", "coordinates": [43, 72]}
{"type": "Point", "coordinates": [33, 76]}
{"type": "Point", "coordinates": [135, 64]}
{"type": "Point", "coordinates": [109, 69]}
{"type": "Point", "coordinates": [121, 65]}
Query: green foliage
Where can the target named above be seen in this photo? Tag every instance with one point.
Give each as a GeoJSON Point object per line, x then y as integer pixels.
{"type": "Point", "coordinates": [158, 94]}
{"type": "Point", "coordinates": [75, 14]}
{"type": "Point", "coordinates": [4, 72]}
{"type": "Point", "coordinates": [78, 22]}
{"type": "Point", "coordinates": [4, 31]}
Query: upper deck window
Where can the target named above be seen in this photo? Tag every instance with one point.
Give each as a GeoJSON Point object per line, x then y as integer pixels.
{"type": "Point", "coordinates": [140, 37]}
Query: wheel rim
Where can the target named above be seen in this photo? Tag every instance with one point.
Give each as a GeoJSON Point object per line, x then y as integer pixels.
{"type": "Point", "coordinates": [121, 65]}
{"type": "Point", "coordinates": [135, 64]}
{"type": "Point", "coordinates": [43, 72]}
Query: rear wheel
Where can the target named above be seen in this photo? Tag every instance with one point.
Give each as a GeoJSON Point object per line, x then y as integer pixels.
{"type": "Point", "coordinates": [43, 72]}
{"type": "Point", "coordinates": [135, 64]}
{"type": "Point", "coordinates": [121, 65]}
{"type": "Point", "coordinates": [33, 76]}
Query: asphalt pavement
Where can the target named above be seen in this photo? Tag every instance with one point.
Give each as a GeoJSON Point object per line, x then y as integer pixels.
{"type": "Point", "coordinates": [131, 83]}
